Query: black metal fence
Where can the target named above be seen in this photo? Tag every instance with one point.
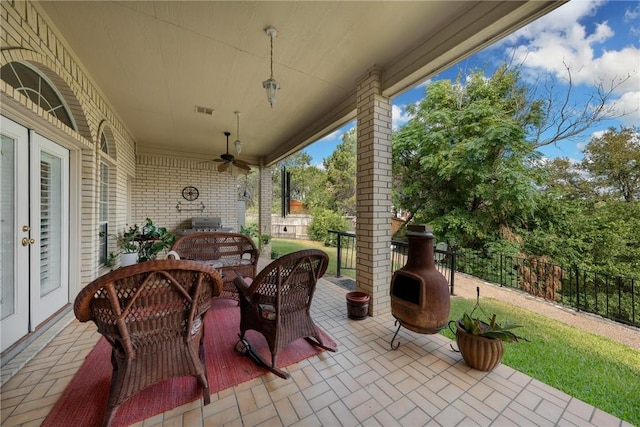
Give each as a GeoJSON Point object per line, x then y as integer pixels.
{"type": "Point", "coordinates": [613, 297]}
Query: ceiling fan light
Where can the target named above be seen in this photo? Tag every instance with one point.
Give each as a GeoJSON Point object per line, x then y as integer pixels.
{"type": "Point", "coordinates": [271, 85]}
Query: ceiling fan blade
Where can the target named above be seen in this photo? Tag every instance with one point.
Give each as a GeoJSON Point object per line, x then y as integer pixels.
{"type": "Point", "coordinates": [217, 160]}
{"type": "Point", "coordinates": [223, 167]}
{"type": "Point", "coordinates": [241, 164]}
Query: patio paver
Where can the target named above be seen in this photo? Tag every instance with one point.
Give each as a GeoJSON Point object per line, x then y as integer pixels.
{"type": "Point", "coordinates": [364, 384]}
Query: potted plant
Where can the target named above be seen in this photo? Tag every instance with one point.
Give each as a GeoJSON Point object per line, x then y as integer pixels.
{"type": "Point", "coordinates": [481, 342]}
{"type": "Point", "coordinates": [127, 247]}
{"type": "Point", "coordinates": [151, 240]}
{"type": "Point", "coordinates": [139, 244]}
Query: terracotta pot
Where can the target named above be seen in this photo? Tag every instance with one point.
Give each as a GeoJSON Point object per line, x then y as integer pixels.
{"type": "Point", "coordinates": [481, 353]}
{"type": "Point", "coordinates": [357, 305]}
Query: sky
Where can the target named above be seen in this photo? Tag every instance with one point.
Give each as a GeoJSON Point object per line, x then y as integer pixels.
{"type": "Point", "coordinates": [598, 40]}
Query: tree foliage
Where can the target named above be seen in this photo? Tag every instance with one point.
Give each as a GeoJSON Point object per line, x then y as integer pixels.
{"type": "Point", "coordinates": [467, 164]}
{"type": "Point", "coordinates": [323, 221]}
{"type": "Point", "coordinates": [463, 163]}
{"type": "Point", "coordinates": [566, 180]}
{"type": "Point", "coordinates": [307, 181]}
{"type": "Point", "coordinates": [613, 161]}
{"type": "Point", "coordinates": [341, 175]}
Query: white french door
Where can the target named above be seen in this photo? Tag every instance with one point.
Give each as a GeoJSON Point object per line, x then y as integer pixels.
{"type": "Point", "coordinates": [49, 219]}
{"type": "Point", "coordinates": [14, 215]}
{"type": "Point", "coordinates": [35, 230]}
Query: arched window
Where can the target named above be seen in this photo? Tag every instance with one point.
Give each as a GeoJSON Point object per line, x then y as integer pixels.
{"type": "Point", "coordinates": [104, 144]}
{"type": "Point", "coordinates": [38, 89]}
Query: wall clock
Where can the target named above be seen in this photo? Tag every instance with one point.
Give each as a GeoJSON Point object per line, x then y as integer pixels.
{"type": "Point", "coordinates": [190, 193]}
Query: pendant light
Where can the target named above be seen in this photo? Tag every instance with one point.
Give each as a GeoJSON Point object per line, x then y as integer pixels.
{"type": "Point", "coordinates": [271, 85]}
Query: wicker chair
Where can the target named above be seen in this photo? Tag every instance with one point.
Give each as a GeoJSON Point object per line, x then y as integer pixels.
{"type": "Point", "coordinates": [152, 315]}
{"type": "Point", "coordinates": [231, 253]}
{"type": "Point", "coordinates": [276, 303]}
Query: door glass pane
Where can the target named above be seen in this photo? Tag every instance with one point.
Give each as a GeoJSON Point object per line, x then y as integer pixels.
{"type": "Point", "coordinates": [50, 223]}
{"type": "Point", "coordinates": [7, 226]}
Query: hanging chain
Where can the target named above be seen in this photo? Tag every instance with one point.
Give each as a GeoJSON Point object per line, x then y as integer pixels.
{"type": "Point", "coordinates": [271, 37]}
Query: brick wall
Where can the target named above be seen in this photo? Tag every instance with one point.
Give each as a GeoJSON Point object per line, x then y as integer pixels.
{"type": "Point", "coordinates": [158, 189]}
{"type": "Point", "coordinates": [27, 37]}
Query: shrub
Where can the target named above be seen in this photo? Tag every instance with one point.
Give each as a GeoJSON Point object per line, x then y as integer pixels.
{"type": "Point", "coordinates": [323, 221]}
{"type": "Point", "coordinates": [251, 230]}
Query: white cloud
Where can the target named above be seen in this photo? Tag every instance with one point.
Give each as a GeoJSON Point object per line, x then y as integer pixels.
{"type": "Point", "coordinates": [631, 15]}
{"type": "Point", "coordinates": [558, 40]}
{"type": "Point", "coordinates": [425, 83]}
{"type": "Point", "coordinates": [333, 135]}
{"type": "Point", "coordinates": [399, 116]}
{"type": "Point", "coordinates": [629, 105]}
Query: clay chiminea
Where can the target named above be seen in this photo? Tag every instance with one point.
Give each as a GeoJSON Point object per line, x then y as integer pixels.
{"type": "Point", "coordinates": [420, 298]}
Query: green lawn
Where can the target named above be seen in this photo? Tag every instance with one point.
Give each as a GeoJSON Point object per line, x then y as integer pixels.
{"type": "Point", "coordinates": [596, 370]}
{"type": "Point", "coordinates": [285, 246]}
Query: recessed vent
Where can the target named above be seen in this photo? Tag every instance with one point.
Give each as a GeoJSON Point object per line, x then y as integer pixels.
{"type": "Point", "coordinates": [204, 110]}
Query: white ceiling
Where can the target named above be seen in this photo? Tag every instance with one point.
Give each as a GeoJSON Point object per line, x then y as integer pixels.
{"type": "Point", "coordinates": [154, 61]}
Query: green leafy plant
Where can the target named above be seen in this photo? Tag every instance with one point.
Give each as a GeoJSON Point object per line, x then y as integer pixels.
{"type": "Point", "coordinates": [147, 241]}
{"type": "Point", "coordinates": [265, 239]}
{"type": "Point", "coordinates": [324, 220]}
{"type": "Point", "coordinates": [250, 230]}
{"type": "Point", "coordinates": [151, 240]}
{"type": "Point", "coordinates": [490, 329]}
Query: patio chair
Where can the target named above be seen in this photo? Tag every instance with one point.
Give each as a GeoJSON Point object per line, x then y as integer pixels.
{"type": "Point", "coordinates": [231, 253]}
{"type": "Point", "coordinates": [152, 315]}
{"type": "Point", "coordinates": [276, 304]}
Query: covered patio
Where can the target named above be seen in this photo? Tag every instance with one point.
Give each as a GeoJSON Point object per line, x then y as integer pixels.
{"type": "Point", "coordinates": [149, 89]}
{"type": "Point", "coordinates": [145, 91]}
{"type": "Point", "coordinates": [424, 382]}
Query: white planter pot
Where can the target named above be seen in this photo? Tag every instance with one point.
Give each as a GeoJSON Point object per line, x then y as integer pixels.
{"type": "Point", "coordinates": [128, 259]}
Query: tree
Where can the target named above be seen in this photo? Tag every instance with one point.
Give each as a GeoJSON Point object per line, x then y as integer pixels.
{"type": "Point", "coordinates": [341, 175]}
{"type": "Point", "coordinates": [567, 181]}
{"type": "Point", "coordinates": [307, 182]}
{"type": "Point", "coordinates": [561, 117]}
{"type": "Point", "coordinates": [613, 161]}
{"type": "Point", "coordinates": [463, 164]}
{"type": "Point", "coordinates": [467, 161]}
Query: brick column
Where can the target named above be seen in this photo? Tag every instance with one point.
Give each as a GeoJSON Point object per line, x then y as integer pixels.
{"type": "Point", "coordinates": [373, 197]}
{"type": "Point", "coordinates": [264, 210]}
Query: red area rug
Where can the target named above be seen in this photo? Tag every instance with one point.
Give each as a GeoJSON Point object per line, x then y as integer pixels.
{"type": "Point", "coordinates": [84, 401]}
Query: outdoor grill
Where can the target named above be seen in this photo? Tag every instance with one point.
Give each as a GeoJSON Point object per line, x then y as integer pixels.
{"type": "Point", "coordinates": [209, 223]}
{"type": "Point", "coordinates": [420, 298]}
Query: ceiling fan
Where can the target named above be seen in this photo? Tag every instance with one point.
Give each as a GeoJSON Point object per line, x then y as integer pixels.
{"type": "Point", "coordinates": [228, 159]}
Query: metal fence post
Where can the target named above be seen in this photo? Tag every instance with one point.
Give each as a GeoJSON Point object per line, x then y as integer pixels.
{"type": "Point", "coordinates": [452, 269]}
{"type": "Point", "coordinates": [339, 260]}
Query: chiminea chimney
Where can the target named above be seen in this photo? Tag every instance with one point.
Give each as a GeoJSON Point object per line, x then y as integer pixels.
{"type": "Point", "coordinates": [419, 292]}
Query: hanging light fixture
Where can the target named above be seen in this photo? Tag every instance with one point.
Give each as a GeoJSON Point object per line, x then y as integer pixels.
{"type": "Point", "coordinates": [271, 85]}
{"type": "Point", "coordinates": [237, 142]}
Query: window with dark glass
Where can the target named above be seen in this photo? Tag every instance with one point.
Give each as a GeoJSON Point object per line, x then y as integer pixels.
{"type": "Point", "coordinates": [103, 214]}
{"type": "Point", "coordinates": [38, 89]}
